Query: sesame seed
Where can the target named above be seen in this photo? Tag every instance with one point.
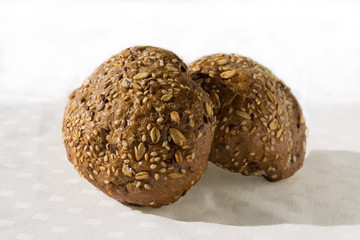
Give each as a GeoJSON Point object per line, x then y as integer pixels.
{"type": "Point", "coordinates": [156, 176]}
{"type": "Point", "coordinates": [86, 82]}
{"type": "Point", "coordinates": [302, 119]}
{"type": "Point", "coordinates": [171, 68]}
{"type": "Point", "coordinates": [154, 154]}
{"type": "Point", "coordinates": [141, 175]}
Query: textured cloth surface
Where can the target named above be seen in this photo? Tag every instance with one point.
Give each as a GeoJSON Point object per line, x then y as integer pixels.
{"type": "Point", "coordinates": [42, 196]}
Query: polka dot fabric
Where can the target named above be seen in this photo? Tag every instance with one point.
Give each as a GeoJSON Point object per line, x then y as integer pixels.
{"type": "Point", "coordinates": [42, 197]}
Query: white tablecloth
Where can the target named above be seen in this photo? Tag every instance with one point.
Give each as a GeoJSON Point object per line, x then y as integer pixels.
{"type": "Point", "coordinates": [48, 48]}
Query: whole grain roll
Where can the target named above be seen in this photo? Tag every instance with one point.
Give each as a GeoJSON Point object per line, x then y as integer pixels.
{"type": "Point", "coordinates": [139, 129]}
{"type": "Point", "coordinates": [260, 127]}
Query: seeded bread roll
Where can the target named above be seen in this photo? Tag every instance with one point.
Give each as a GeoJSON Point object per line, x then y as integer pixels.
{"type": "Point", "coordinates": [260, 127]}
{"type": "Point", "coordinates": [139, 129]}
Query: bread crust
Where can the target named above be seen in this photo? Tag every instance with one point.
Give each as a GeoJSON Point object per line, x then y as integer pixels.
{"type": "Point", "coordinates": [260, 126]}
{"type": "Point", "coordinates": [138, 128]}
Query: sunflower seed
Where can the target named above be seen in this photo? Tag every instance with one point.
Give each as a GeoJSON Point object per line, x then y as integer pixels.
{"type": "Point", "coordinates": [243, 114]}
{"type": "Point", "coordinates": [228, 74]}
{"type": "Point", "coordinates": [215, 99]}
{"type": "Point", "coordinates": [175, 175]}
{"type": "Point", "coordinates": [126, 170]}
{"type": "Point", "coordinates": [177, 136]}
{"type": "Point", "coordinates": [136, 86]}
{"type": "Point", "coordinates": [139, 151]}
{"type": "Point", "coordinates": [269, 85]}
{"type": "Point", "coordinates": [141, 75]}
{"type": "Point", "coordinates": [175, 116]}
{"type": "Point", "coordinates": [208, 108]}
{"type": "Point", "coordinates": [125, 53]}
{"type": "Point", "coordinates": [222, 61]}
{"type": "Point", "coordinates": [155, 135]}
{"type": "Point", "coordinates": [178, 157]}
{"type": "Point", "coordinates": [273, 124]}
{"type": "Point", "coordinates": [171, 68]}
{"type": "Point", "coordinates": [166, 97]}
{"type": "Point", "coordinates": [270, 96]}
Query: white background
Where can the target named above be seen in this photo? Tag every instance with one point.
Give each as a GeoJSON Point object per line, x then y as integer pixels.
{"type": "Point", "coordinates": [48, 47]}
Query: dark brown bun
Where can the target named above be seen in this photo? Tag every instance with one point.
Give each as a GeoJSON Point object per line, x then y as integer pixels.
{"type": "Point", "coordinates": [260, 127]}
{"type": "Point", "coordinates": [139, 129]}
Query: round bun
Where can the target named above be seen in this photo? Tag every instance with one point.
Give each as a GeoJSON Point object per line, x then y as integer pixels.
{"type": "Point", "coordinates": [260, 129]}
{"type": "Point", "coordinates": [139, 129]}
